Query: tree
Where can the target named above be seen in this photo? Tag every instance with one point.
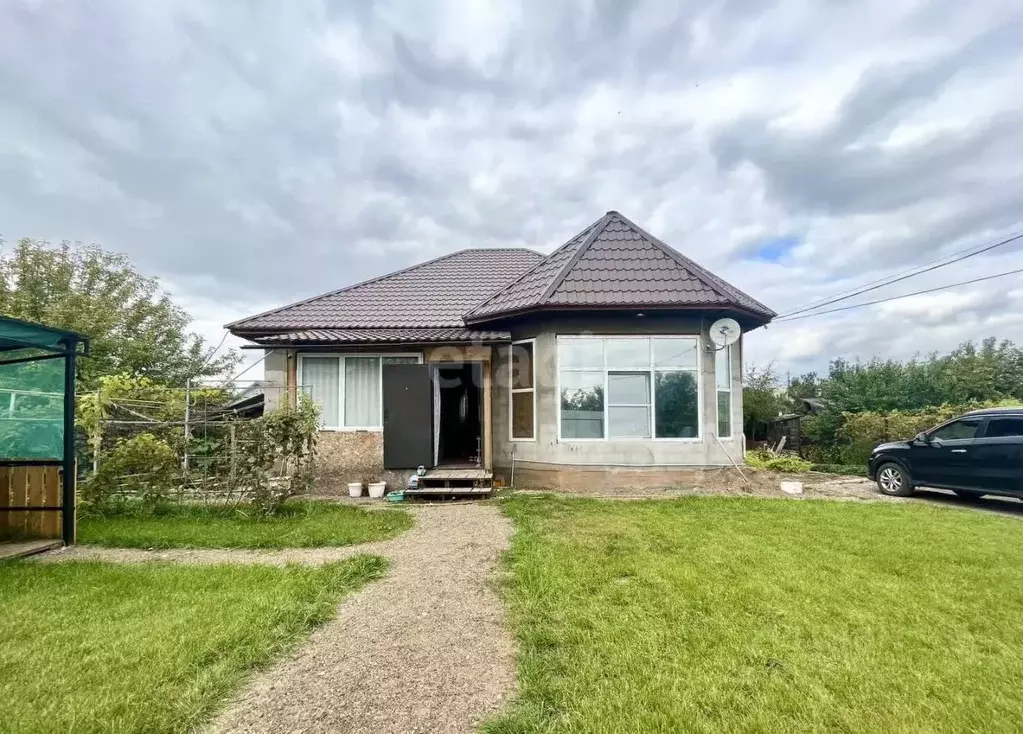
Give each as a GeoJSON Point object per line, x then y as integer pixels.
{"type": "Point", "coordinates": [761, 400]}
{"type": "Point", "coordinates": [134, 327]}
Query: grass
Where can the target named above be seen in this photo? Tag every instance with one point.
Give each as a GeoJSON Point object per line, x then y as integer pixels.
{"type": "Point", "coordinates": [300, 525]}
{"type": "Point", "coordinates": [93, 647]}
{"type": "Point", "coordinates": [739, 614]}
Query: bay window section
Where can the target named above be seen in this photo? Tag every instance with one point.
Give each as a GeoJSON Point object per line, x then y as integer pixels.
{"type": "Point", "coordinates": [347, 389]}
{"type": "Point", "coordinates": [582, 404]}
{"type": "Point", "coordinates": [523, 390]}
{"type": "Point", "coordinates": [723, 382]}
{"type": "Point", "coordinates": [629, 387]}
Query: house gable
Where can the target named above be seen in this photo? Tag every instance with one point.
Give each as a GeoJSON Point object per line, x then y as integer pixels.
{"type": "Point", "coordinates": [614, 263]}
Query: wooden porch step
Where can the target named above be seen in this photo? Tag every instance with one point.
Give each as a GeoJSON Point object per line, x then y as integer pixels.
{"type": "Point", "coordinates": [454, 481]}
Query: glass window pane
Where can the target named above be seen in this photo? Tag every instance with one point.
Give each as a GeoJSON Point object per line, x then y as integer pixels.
{"type": "Point", "coordinates": [722, 368]}
{"type": "Point", "coordinates": [362, 392]}
{"type": "Point", "coordinates": [628, 354]}
{"type": "Point", "coordinates": [724, 414]}
{"type": "Point", "coordinates": [959, 429]}
{"type": "Point", "coordinates": [628, 422]}
{"type": "Point", "coordinates": [581, 354]}
{"type": "Point", "coordinates": [522, 414]}
{"type": "Point", "coordinates": [676, 353]}
{"type": "Point", "coordinates": [522, 365]}
{"type": "Point", "coordinates": [401, 360]}
{"type": "Point", "coordinates": [628, 388]}
{"type": "Point", "coordinates": [320, 381]}
{"type": "Point", "coordinates": [1004, 427]}
{"type": "Point", "coordinates": [677, 405]}
{"type": "Point", "coordinates": [582, 404]}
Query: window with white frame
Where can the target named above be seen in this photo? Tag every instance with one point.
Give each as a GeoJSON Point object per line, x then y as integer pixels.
{"type": "Point", "coordinates": [347, 388]}
{"type": "Point", "coordinates": [522, 384]}
{"type": "Point", "coordinates": [723, 383]}
{"type": "Point", "coordinates": [629, 387]}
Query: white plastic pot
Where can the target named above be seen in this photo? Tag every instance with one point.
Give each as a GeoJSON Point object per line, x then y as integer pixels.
{"type": "Point", "coordinates": [376, 489]}
{"type": "Point", "coordinates": [355, 489]}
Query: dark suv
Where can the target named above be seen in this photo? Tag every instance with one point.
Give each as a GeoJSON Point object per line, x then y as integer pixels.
{"type": "Point", "coordinates": [973, 455]}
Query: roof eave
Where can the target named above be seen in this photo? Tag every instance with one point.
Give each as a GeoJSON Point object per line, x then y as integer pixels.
{"type": "Point", "coordinates": [760, 318]}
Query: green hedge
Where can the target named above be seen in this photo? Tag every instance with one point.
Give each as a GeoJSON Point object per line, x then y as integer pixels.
{"type": "Point", "coordinates": [859, 433]}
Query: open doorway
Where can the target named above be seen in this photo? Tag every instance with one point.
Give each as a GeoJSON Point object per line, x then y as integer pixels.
{"type": "Point", "coordinates": [458, 417]}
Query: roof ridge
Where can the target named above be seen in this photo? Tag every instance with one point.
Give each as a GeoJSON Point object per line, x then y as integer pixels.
{"type": "Point", "coordinates": [718, 283]}
{"type": "Point", "coordinates": [595, 230]}
{"type": "Point", "coordinates": [302, 302]}
{"type": "Point", "coordinates": [544, 258]}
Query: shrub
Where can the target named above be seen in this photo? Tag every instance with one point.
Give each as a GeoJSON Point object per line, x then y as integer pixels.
{"type": "Point", "coordinates": [142, 466]}
{"type": "Point", "coordinates": [763, 459]}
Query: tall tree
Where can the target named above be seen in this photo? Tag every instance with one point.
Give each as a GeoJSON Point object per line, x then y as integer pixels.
{"type": "Point", "coordinates": [134, 327]}
{"type": "Point", "coordinates": [761, 399]}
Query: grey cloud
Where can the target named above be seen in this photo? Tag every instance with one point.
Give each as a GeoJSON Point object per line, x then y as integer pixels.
{"type": "Point", "coordinates": [229, 149]}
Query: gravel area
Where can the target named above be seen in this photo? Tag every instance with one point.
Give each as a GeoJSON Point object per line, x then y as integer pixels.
{"type": "Point", "coordinates": [205, 556]}
{"type": "Point", "coordinates": [426, 649]}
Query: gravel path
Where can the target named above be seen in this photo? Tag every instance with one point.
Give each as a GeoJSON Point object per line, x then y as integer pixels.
{"type": "Point", "coordinates": [426, 649]}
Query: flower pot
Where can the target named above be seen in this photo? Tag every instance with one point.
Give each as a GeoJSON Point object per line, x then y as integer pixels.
{"type": "Point", "coordinates": [376, 489]}
{"type": "Point", "coordinates": [355, 489]}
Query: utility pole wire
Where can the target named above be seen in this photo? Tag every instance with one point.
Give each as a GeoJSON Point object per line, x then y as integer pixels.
{"type": "Point", "coordinates": [896, 298]}
{"type": "Point", "coordinates": [215, 350]}
{"type": "Point", "coordinates": [905, 275]}
{"type": "Point", "coordinates": [232, 379]}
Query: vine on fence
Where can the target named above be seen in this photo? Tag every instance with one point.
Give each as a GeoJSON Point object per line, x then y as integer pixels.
{"type": "Point", "coordinates": [143, 446]}
{"type": "Point", "coordinates": [276, 455]}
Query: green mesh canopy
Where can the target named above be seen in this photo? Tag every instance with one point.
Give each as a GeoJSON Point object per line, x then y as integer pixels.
{"type": "Point", "coordinates": [32, 382]}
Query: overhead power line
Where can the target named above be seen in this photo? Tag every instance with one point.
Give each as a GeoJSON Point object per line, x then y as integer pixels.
{"type": "Point", "coordinates": [905, 275]}
{"type": "Point", "coordinates": [214, 350]}
{"type": "Point", "coordinates": [896, 298]}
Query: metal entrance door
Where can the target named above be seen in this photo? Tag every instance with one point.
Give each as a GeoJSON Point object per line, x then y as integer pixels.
{"type": "Point", "coordinates": [408, 416]}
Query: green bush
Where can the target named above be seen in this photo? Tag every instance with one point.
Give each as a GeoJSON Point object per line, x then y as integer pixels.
{"type": "Point", "coordinates": [861, 432]}
{"type": "Point", "coordinates": [142, 466]}
{"type": "Point", "coordinates": [763, 459]}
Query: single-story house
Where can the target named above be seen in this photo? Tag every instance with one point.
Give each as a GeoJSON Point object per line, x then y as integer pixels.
{"type": "Point", "coordinates": [562, 369]}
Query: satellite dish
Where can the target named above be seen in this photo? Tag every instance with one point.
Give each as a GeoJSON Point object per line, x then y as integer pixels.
{"type": "Point", "coordinates": [724, 332]}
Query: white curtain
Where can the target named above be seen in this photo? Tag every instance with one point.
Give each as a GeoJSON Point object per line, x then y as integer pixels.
{"type": "Point", "coordinates": [362, 392]}
{"type": "Point", "coordinates": [320, 381]}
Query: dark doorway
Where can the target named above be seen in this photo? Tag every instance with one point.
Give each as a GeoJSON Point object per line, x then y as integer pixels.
{"type": "Point", "coordinates": [460, 436]}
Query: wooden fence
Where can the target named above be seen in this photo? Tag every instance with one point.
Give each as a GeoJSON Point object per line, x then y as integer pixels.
{"type": "Point", "coordinates": [30, 501]}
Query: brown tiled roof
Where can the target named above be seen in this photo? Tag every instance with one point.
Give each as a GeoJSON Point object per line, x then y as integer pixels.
{"type": "Point", "coordinates": [614, 263]}
{"type": "Point", "coordinates": [431, 294]}
{"type": "Point", "coordinates": [383, 336]}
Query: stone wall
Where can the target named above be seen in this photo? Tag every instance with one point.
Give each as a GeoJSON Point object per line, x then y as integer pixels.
{"type": "Point", "coordinates": [352, 456]}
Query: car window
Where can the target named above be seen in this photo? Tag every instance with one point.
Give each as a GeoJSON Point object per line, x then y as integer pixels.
{"type": "Point", "coordinates": [965, 428]}
{"type": "Point", "coordinates": [1010, 425]}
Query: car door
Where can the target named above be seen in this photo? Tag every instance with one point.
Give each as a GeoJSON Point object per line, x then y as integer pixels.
{"type": "Point", "coordinates": [944, 460]}
{"type": "Point", "coordinates": [998, 454]}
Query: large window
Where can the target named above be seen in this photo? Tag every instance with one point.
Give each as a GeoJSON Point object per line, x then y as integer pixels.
{"type": "Point", "coordinates": [629, 387]}
{"type": "Point", "coordinates": [521, 381]}
{"type": "Point", "coordinates": [723, 383]}
{"type": "Point", "coordinates": [347, 388]}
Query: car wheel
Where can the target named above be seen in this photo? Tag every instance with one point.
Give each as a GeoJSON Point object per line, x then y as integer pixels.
{"type": "Point", "coordinates": [969, 494]}
{"type": "Point", "coordinates": [893, 480]}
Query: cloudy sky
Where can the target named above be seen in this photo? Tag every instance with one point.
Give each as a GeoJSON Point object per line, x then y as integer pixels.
{"type": "Point", "coordinates": [251, 154]}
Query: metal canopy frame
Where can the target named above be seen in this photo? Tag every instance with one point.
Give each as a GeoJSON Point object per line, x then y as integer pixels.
{"type": "Point", "coordinates": [49, 343]}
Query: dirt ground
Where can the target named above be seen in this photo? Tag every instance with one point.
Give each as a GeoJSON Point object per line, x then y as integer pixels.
{"type": "Point", "coordinates": [754, 483]}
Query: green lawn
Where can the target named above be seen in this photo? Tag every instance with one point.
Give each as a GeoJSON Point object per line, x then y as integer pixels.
{"type": "Point", "coordinates": [300, 525]}
{"type": "Point", "coordinates": [93, 647]}
{"type": "Point", "coordinates": [734, 614]}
